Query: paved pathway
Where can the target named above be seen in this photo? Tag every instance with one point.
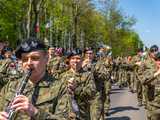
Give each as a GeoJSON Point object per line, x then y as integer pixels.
{"type": "Point", "coordinates": [124, 106]}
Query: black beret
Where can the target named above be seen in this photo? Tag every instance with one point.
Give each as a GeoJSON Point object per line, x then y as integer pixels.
{"type": "Point", "coordinates": [74, 52]}
{"type": "Point", "coordinates": [154, 48]}
{"type": "Point", "coordinates": [140, 50]}
{"type": "Point", "coordinates": [87, 49]}
{"type": "Point", "coordinates": [7, 49]}
{"type": "Point", "coordinates": [29, 45]}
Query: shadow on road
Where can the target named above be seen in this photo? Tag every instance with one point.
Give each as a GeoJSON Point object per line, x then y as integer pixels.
{"type": "Point", "coordinates": [117, 89]}
{"type": "Point", "coordinates": [119, 118]}
{"type": "Point", "coordinates": [114, 92]}
{"type": "Point", "coordinates": [120, 109]}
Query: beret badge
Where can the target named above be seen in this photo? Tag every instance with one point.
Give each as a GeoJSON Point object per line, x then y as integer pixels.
{"type": "Point", "coordinates": [25, 46]}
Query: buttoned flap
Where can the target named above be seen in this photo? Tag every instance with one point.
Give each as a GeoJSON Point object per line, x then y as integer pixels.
{"type": "Point", "coordinates": [44, 96]}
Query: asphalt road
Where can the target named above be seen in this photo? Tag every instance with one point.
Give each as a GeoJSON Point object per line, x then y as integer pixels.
{"type": "Point", "coordinates": [124, 105]}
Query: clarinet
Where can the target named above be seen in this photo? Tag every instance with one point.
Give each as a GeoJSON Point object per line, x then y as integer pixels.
{"type": "Point", "coordinates": [19, 91]}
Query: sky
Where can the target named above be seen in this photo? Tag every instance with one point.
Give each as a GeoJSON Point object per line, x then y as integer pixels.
{"type": "Point", "coordinates": [147, 13]}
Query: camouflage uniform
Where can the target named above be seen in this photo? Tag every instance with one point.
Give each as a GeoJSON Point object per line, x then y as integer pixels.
{"type": "Point", "coordinates": [155, 104]}
{"type": "Point", "coordinates": [124, 72]}
{"type": "Point", "coordinates": [102, 76]}
{"type": "Point", "coordinates": [8, 71]}
{"type": "Point", "coordinates": [43, 95]}
{"type": "Point", "coordinates": [130, 73]}
{"type": "Point", "coordinates": [137, 80]}
{"type": "Point", "coordinates": [149, 88]}
{"type": "Point", "coordinates": [115, 70]}
{"type": "Point", "coordinates": [56, 66]}
{"type": "Point", "coordinates": [121, 78]}
{"type": "Point", "coordinates": [99, 76]}
{"type": "Point", "coordinates": [108, 71]}
{"type": "Point", "coordinates": [80, 105]}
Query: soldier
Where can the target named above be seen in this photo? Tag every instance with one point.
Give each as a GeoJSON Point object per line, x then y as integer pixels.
{"type": "Point", "coordinates": [103, 69]}
{"type": "Point", "coordinates": [38, 100]}
{"type": "Point", "coordinates": [51, 51]}
{"type": "Point", "coordinates": [146, 73]}
{"type": "Point", "coordinates": [130, 74]}
{"type": "Point", "coordinates": [154, 104]}
{"type": "Point", "coordinates": [56, 64]}
{"type": "Point", "coordinates": [80, 103]}
{"type": "Point", "coordinates": [136, 63]}
{"type": "Point", "coordinates": [123, 72]}
{"type": "Point", "coordinates": [8, 67]}
{"type": "Point", "coordinates": [89, 64]}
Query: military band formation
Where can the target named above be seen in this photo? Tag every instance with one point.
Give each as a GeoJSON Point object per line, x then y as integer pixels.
{"type": "Point", "coordinates": [48, 83]}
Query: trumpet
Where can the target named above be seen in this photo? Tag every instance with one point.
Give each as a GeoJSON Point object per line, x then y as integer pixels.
{"type": "Point", "coordinates": [19, 91]}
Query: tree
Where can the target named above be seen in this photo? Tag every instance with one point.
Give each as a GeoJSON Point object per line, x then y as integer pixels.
{"type": "Point", "coordinates": [69, 24]}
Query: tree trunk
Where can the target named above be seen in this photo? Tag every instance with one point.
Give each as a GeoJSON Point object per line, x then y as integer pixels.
{"type": "Point", "coordinates": [36, 8]}
{"type": "Point", "coordinates": [29, 18]}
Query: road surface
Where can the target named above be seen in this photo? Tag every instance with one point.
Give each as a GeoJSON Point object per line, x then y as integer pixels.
{"type": "Point", "coordinates": [124, 105]}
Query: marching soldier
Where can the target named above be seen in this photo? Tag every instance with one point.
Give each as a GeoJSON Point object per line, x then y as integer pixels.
{"type": "Point", "coordinates": [78, 104]}
{"type": "Point", "coordinates": [89, 64]}
{"type": "Point", "coordinates": [136, 62]}
{"type": "Point", "coordinates": [56, 63]}
{"type": "Point", "coordinates": [102, 74]}
{"type": "Point", "coordinates": [154, 104]}
{"type": "Point", "coordinates": [130, 73]}
{"type": "Point", "coordinates": [38, 99]}
{"type": "Point", "coordinates": [147, 76]}
{"type": "Point", "coordinates": [8, 68]}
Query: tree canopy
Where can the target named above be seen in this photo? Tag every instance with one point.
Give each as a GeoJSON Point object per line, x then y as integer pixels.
{"type": "Point", "coordinates": [69, 24]}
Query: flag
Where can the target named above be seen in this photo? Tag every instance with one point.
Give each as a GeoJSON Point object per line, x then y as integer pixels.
{"type": "Point", "coordinates": [37, 29]}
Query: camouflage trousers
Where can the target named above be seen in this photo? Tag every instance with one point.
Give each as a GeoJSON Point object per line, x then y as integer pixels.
{"type": "Point", "coordinates": [122, 78]}
{"type": "Point", "coordinates": [131, 81]}
{"type": "Point", "coordinates": [139, 91]}
{"type": "Point", "coordinates": [153, 109]}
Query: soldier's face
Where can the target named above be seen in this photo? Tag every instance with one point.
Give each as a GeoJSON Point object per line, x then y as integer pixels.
{"type": "Point", "coordinates": [89, 54]}
{"type": "Point", "coordinates": [8, 54]}
{"type": "Point", "coordinates": [51, 51]}
{"type": "Point", "coordinates": [75, 62]}
{"type": "Point", "coordinates": [35, 60]}
{"type": "Point", "coordinates": [140, 53]}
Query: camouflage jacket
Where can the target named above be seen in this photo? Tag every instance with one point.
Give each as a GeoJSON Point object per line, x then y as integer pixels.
{"type": "Point", "coordinates": [56, 66]}
{"type": "Point", "coordinates": [147, 71]}
{"type": "Point", "coordinates": [78, 104]}
{"type": "Point", "coordinates": [43, 95]}
{"type": "Point", "coordinates": [8, 71]}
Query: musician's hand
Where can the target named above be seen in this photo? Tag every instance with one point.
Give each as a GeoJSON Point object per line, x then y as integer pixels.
{"type": "Point", "coordinates": [157, 73]}
{"type": "Point", "coordinates": [85, 62]}
{"type": "Point", "coordinates": [21, 103]}
{"type": "Point", "coordinates": [138, 63]}
{"type": "Point", "coordinates": [3, 116]}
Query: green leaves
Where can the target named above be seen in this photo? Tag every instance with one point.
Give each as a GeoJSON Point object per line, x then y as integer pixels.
{"type": "Point", "coordinates": [74, 23]}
